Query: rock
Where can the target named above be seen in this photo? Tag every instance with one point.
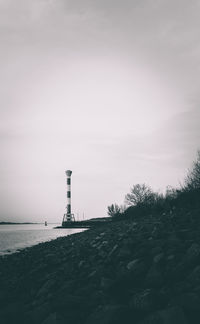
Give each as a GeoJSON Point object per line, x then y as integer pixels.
{"type": "Point", "coordinates": [194, 276]}
{"type": "Point", "coordinates": [173, 242]}
{"type": "Point", "coordinates": [38, 314]}
{"type": "Point", "coordinates": [101, 245]}
{"type": "Point", "coordinates": [105, 243]}
{"type": "Point", "coordinates": [64, 300]}
{"type": "Point", "coordinates": [138, 270]}
{"type": "Point", "coordinates": [111, 314]}
{"type": "Point", "coordinates": [144, 301]}
{"type": "Point", "coordinates": [170, 257]}
{"type": "Point", "coordinates": [51, 319]}
{"type": "Point", "coordinates": [46, 287]}
{"type": "Point", "coordinates": [102, 254]}
{"type": "Point", "coordinates": [92, 274]}
{"type": "Point", "coordinates": [113, 250]}
{"type": "Point", "coordinates": [188, 301]}
{"type": "Point", "coordinates": [155, 232]}
{"type": "Point", "coordinates": [173, 315]}
{"type": "Point", "coordinates": [193, 253]}
{"type": "Point", "coordinates": [132, 264]}
{"type": "Point", "coordinates": [128, 242]}
{"type": "Point", "coordinates": [153, 277]}
{"type": "Point", "coordinates": [197, 290]}
{"type": "Point", "coordinates": [158, 258]}
{"type": "Point", "coordinates": [184, 234]}
{"type": "Point", "coordinates": [176, 271]}
{"type": "Point", "coordinates": [124, 253]}
{"type": "Point", "coordinates": [81, 263]}
{"type": "Point", "coordinates": [125, 281]}
{"type": "Point", "coordinates": [156, 250]}
{"type": "Point", "coordinates": [13, 311]}
{"type": "Point", "coordinates": [72, 307]}
{"type": "Point", "coordinates": [4, 297]}
{"type": "Point", "coordinates": [180, 287]}
{"type": "Point", "coordinates": [85, 290]}
{"type": "Point", "coordinates": [102, 234]}
{"type": "Point", "coordinates": [106, 283]}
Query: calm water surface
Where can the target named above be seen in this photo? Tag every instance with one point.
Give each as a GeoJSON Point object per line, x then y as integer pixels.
{"type": "Point", "coordinates": [16, 237]}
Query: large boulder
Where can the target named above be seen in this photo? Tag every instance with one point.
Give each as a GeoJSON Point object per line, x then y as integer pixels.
{"type": "Point", "coordinates": [145, 301]}
{"type": "Point", "coordinates": [154, 278]}
{"type": "Point", "coordinates": [194, 277]}
{"type": "Point", "coordinates": [193, 253]}
{"type": "Point", "coordinates": [173, 315]}
{"type": "Point", "coordinates": [110, 314]}
{"type": "Point", "coordinates": [188, 301]}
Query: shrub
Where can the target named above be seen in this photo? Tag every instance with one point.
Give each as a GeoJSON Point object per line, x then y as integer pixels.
{"type": "Point", "coordinates": [114, 210]}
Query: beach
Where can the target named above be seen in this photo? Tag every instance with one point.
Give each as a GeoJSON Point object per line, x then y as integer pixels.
{"type": "Point", "coordinates": [141, 271]}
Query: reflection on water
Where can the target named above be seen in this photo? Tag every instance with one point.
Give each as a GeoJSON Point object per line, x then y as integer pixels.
{"type": "Point", "coordinates": [15, 237]}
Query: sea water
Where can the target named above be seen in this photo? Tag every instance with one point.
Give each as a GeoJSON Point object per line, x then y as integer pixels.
{"type": "Point", "coordinates": [16, 237]}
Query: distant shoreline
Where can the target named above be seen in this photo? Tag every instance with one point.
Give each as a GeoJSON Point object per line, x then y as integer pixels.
{"type": "Point", "coordinates": [12, 223]}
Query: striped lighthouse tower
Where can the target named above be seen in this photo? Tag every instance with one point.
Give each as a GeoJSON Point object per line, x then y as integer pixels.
{"type": "Point", "coordinates": [68, 217]}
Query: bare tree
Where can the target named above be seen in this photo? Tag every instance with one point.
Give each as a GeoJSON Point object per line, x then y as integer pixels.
{"type": "Point", "coordinates": [140, 194]}
{"type": "Point", "coordinates": [192, 180]}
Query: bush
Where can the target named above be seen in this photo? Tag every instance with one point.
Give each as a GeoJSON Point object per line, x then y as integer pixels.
{"type": "Point", "coordinates": [114, 210]}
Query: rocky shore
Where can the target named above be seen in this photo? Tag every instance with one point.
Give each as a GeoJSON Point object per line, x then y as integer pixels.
{"type": "Point", "coordinates": [139, 271]}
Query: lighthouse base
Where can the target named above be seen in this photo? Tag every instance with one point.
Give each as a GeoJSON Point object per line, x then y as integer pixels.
{"type": "Point", "coordinates": [68, 218]}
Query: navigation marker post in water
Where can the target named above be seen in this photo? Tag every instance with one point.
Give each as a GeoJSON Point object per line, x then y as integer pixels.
{"type": "Point", "coordinates": [68, 217]}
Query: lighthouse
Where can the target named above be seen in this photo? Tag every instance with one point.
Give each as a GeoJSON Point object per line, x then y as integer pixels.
{"type": "Point", "coordinates": [68, 216]}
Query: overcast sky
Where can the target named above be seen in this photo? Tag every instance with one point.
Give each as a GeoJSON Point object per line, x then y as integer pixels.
{"type": "Point", "coordinates": [106, 88]}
